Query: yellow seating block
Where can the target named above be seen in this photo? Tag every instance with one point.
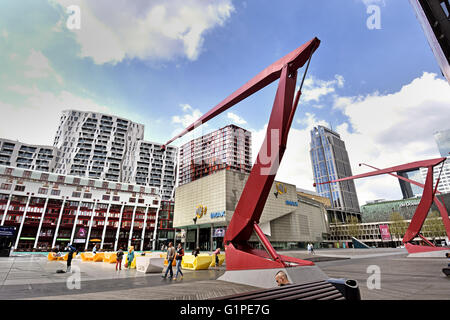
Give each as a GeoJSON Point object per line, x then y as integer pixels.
{"type": "Point", "coordinates": [98, 257]}
{"type": "Point", "coordinates": [201, 262]}
{"type": "Point", "coordinates": [188, 262]}
{"type": "Point", "coordinates": [109, 257]}
{"type": "Point", "coordinates": [52, 256]}
{"type": "Point", "coordinates": [87, 256]}
{"type": "Point", "coordinates": [213, 260]}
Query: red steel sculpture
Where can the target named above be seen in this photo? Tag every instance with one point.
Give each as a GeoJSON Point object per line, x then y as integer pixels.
{"type": "Point", "coordinates": [239, 254]}
{"type": "Point", "coordinates": [428, 196]}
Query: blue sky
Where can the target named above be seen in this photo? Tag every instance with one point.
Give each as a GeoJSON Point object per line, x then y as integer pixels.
{"type": "Point", "coordinates": [164, 63]}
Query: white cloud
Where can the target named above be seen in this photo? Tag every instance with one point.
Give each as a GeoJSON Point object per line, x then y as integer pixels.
{"type": "Point", "coordinates": [35, 121]}
{"type": "Point", "coordinates": [235, 118]}
{"type": "Point", "coordinates": [389, 130]}
{"type": "Point", "coordinates": [315, 89]}
{"type": "Point", "coordinates": [111, 32]}
{"type": "Point", "coordinates": [38, 66]}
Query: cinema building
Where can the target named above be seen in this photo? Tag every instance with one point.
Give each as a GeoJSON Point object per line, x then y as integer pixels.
{"type": "Point", "coordinates": [204, 208]}
{"type": "Point", "coordinates": [51, 210]}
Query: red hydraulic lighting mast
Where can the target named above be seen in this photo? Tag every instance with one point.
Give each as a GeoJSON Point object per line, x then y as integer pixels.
{"type": "Point", "coordinates": [245, 219]}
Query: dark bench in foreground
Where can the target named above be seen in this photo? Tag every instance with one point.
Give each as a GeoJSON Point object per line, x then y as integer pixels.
{"type": "Point", "coordinates": [332, 289]}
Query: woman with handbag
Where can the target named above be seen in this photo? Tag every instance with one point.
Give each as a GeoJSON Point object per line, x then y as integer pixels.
{"type": "Point", "coordinates": [179, 258]}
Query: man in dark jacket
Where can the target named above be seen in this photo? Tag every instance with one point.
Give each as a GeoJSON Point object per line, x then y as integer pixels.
{"type": "Point", "coordinates": [71, 249]}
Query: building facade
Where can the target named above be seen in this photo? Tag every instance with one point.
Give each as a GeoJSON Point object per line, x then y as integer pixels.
{"type": "Point", "coordinates": [442, 139]}
{"type": "Point", "coordinates": [443, 173]}
{"type": "Point", "coordinates": [28, 156]}
{"type": "Point", "coordinates": [330, 161]}
{"type": "Point", "coordinates": [434, 16]}
{"type": "Point", "coordinates": [204, 208]}
{"type": "Point", "coordinates": [227, 148]}
{"type": "Point", "coordinates": [51, 210]}
{"type": "Point", "coordinates": [94, 145]}
{"type": "Point", "coordinates": [148, 164]}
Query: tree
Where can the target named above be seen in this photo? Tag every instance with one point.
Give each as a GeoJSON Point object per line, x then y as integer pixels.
{"type": "Point", "coordinates": [434, 226]}
{"type": "Point", "coordinates": [354, 227]}
{"type": "Point", "coordinates": [398, 225]}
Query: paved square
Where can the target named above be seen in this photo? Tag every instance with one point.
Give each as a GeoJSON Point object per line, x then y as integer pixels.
{"type": "Point", "coordinates": [401, 278]}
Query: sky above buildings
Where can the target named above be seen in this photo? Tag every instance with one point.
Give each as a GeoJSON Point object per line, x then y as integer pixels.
{"type": "Point", "coordinates": [165, 63]}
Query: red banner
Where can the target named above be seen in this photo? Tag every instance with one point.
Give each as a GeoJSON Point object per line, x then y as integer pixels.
{"type": "Point", "coordinates": [385, 234]}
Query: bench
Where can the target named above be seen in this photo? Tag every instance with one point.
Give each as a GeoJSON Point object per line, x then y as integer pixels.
{"type": "Point", "coordinates": [333, 289]}
{"type": "Point", "coordinates": [200, 262]}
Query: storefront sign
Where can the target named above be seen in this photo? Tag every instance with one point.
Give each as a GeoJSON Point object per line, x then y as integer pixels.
{"type": "Point", "coordinates": [7, 231]}
{"type": "Point", "coordinates": [217, 214]}
{"type": "Point", "coordinates": [385, 234]}
{"type": "Point", "coordinates": [292, 203]}
{"type": "Point", "coordinates": [79, 241]}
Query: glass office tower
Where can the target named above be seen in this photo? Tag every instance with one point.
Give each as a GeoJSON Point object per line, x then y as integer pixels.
{"type": "Point", "coordinates": [330, 161]}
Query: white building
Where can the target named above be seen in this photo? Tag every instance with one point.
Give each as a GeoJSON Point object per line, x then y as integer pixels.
{"type": "Point", "coordinates": [444, 181]}
{"type": "Point", "coordinates": [28, 156]}
{"type": "Point", "coordinates": [94, 145]}
{"type": "Point", "coordinates": [51, 210]}
{"type": "Point", "coordinates": [150, 165]}
{"type": "Point", "coordinates": [100, 146]}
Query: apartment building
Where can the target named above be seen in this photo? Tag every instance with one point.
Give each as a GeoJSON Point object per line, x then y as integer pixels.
{"type": "Point", "coordinates": [51, 210]}
{"type": "Point", "coordinates": [28, 156]}
{"type": "Point", "coordinates": [227, 148]}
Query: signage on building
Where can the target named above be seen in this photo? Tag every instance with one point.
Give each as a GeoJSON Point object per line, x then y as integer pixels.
{"type": "Point", "coordinates": [280, 189]}
{"type": "Point", "coordinates": [384, 231]}
{"type": "Point", "coordinates": [217, 214]}
{"type": "Point", "coordinates": [292, 203]}
{"type": "Point", "coordinates": [409, 203]}
{"type": "Point", "coordinates": [219, 233]}
{"type": "Point", "coordinates": [7, 231]}
{"type": "Point", "coordinates": [200, 211]}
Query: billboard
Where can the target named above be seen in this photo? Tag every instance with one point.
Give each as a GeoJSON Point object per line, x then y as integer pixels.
{"type": "Point", "coordinates": [384, 231]}
{"type": "Point", "coordinates": [219, 232]}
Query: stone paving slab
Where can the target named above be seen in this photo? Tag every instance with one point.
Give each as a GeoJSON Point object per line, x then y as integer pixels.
{"type": "Point", "coordinates": [201, 290]}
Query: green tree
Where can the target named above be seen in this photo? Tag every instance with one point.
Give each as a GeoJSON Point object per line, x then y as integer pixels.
{"type": "Point", "coordinates": [397, 225]}
{"type": "Point", "coordinates": [353, 227]}
{"type": "Point", "coordinates": [433, 225]}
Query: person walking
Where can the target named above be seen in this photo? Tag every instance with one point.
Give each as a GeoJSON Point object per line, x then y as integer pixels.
{"type": "Point", "coordinates": [179, 258]}
{"type": "Point", "coordinates": [216, 253]}
{"type": "Point", "coordinates": [308, 246]}
{"type": "Point", "coordinates": [71, 249]}
{"type": "Point", "coordinates": [130, 256]}
{"type": "Point", "coordinates": [312, 249]}
{"type": "Point", "coordinates": [119, 258]}
{"type": "Point", "coordinates": [170, 257]}
{"type": "Point", "coordinates": [94, 250]}
{"type": "Point", "coordinates": [196, 252]}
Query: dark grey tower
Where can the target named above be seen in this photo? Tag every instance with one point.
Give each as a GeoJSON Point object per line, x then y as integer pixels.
{"type": "Point", "coordinates": [330, 161]}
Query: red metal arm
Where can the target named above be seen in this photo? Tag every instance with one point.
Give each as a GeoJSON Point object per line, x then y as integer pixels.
{"type": "Point", "coordinates": [425, 202]}
{"type": "Point", "coordinates": [257, 188]}
{"type": "Point", "coordinates": [441, 207]}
